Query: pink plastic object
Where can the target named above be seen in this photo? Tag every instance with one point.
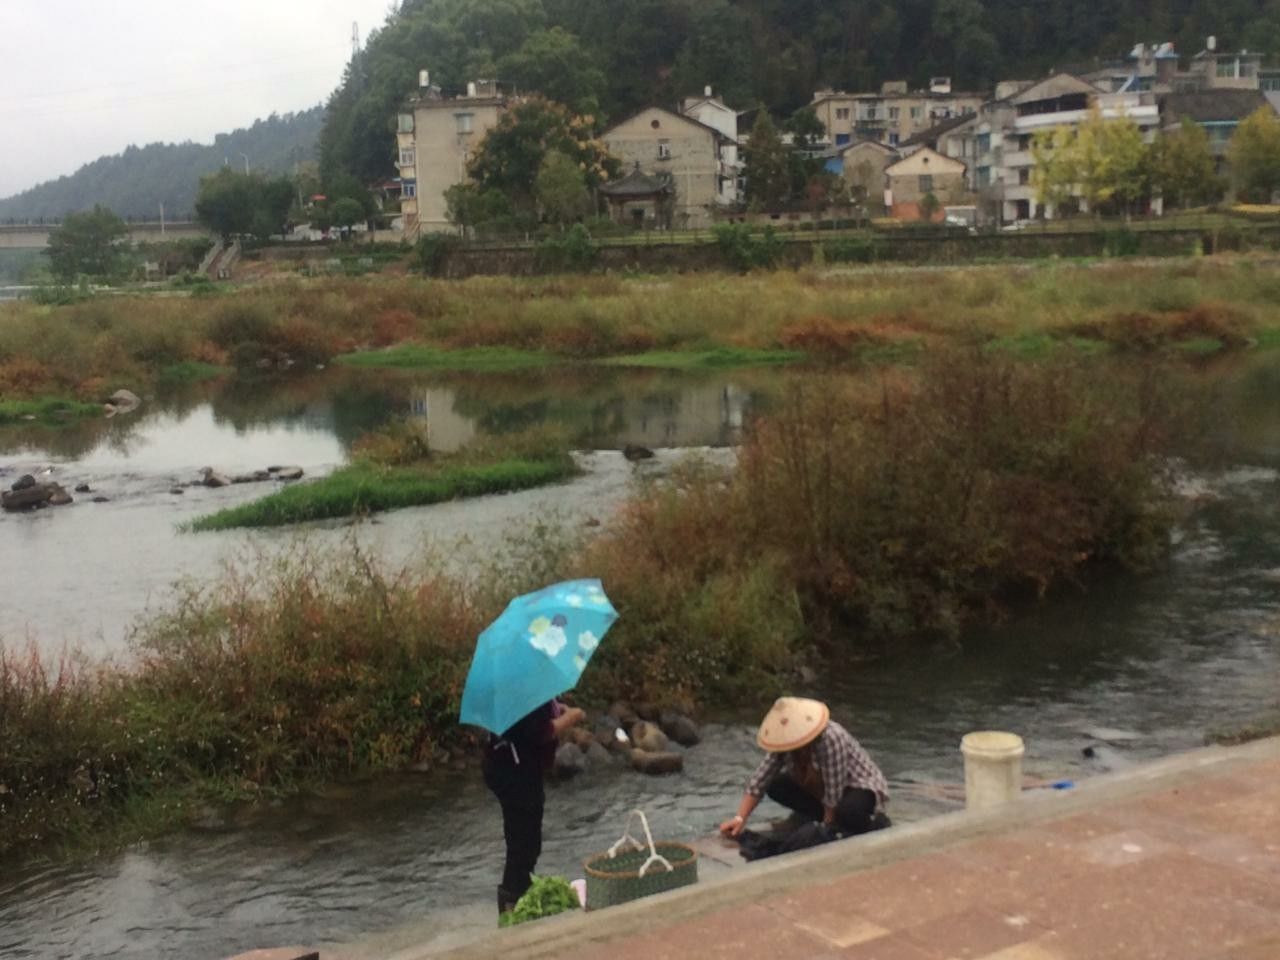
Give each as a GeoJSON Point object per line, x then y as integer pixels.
{"type": "Point", "coordinates": [580, 888]}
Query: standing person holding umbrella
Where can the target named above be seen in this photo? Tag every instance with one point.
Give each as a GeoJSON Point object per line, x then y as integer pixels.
{"type": "Point", "coordinates": [514, 766]}
{"type": "Point", "coordinates": [534, 652]}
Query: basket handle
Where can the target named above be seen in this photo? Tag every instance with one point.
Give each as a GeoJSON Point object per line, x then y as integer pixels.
{"type": "Point", "coordinates": [627, 838]}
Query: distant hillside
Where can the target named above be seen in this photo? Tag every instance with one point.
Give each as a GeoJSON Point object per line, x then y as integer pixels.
{"type": "Point", "coordinates": [136, 182]}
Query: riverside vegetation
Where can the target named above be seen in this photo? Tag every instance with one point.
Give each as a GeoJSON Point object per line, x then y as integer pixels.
{"type": "Point", "coordinates": [83, 351]}
{"type": "Point", "coordinates": [864, 516]}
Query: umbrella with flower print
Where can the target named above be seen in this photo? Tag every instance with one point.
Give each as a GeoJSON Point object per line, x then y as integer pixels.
{"type": "Point", "coordinates": [535, 651]}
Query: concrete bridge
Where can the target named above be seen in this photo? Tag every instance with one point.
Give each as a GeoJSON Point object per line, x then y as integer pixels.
{"type": "Point", "coordinates": [33, 236]}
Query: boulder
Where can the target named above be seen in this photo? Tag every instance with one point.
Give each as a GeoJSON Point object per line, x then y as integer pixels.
{"type": "Point", "coordinates": [656, 763]}
{"type": "Point", "coordinates": [596, 755]}
{"type": "Point", "coordinates": [622, 711]}
{"type": "Point", "coordinates": [569, 762]}
{"type": "Point", "coordinates": [211, 478]}
{"type": "Point", "coordinates": [648, 711]}
{"type": "Point", "coordinates": [177, 490]}
{"type": "Point", "coordinates": [256, 477]}
{"type": "Point", "coordinates": [635, 452]}
{"type": "Point", "coordinates": [649, 737]}
{"type": "Point", "coordinates": [101, 500]}
{"type": "Point", "coordinates": [59, 497]}
{"type": "Point", "coordinates": [124, 400]}
{"type": "Point", "coordinates": [30, 497]}
{"type": "Point", "coordinates": [679, 728]}
{"type": "Point", "coordinates": [24, 482]}
{"type": "Point", "coordinates": [578, 737]}
{"type": "Point", "coordinates": [603, 729]}
{"type": "Point", "coordinates": [83, 488]}
{"type": "Point", "coordinates": [286, 473]}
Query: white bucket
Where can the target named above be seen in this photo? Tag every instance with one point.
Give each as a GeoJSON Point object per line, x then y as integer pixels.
{"type": "Point", "coordinates": [992, 768]}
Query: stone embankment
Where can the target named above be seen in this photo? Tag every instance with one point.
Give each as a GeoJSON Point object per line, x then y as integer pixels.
{"type": "Point", "coordinates": [645, 737]}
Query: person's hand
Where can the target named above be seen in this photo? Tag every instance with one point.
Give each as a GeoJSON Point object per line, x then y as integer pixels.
{"type": "Point", "coordinates": [733, 827]}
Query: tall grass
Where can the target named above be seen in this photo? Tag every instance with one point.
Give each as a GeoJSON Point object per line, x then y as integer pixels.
{"type": "Point", "coordinates": [85, 348]}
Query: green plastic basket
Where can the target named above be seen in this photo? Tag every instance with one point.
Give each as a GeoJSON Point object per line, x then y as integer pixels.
{"type": "Point", "coordinates": [621, 875]}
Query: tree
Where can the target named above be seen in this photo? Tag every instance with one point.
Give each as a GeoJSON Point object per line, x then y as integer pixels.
{"type": "Point", "coordinates": [929, 207]}
{"type": "Point", "coordinates": [561, 189]}
{"type": "Point", "coordinates": [1182, 167]}
{"type": "Point", "coordinates": [88, 244]}
{"type": "Point", "coordinates": [346, 212]}
{"type": "Point", "coordinates": [470, 208]}
{"type": "Point", "coordinates": [1255, 155]}
{"type": "Point", "coordinates": [227, 202]}
{"type": "Point", "coordinates": [765, 165]}
{"type": "Point", "coordinates": [1102, 161]}
{"type": "Point", "coordinates": [510, 156]}
{"type": "Point", "coordinates": [554, 63]}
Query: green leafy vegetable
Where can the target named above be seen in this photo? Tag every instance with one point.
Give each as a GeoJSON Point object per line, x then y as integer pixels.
{"type": "Point", "coordinates": [546, 897]}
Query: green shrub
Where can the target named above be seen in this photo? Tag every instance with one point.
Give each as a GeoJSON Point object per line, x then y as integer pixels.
{"type": "Point", "coordinates": [573, 250]}
{"type": "Point", "coordinates": [744, 250]}
{"type": "Point", "coordinates": [433, 251]}
{"type": "Point", "coordinates": [851, 250]}
{"type": "Point", "coordinates": [1121, 242]}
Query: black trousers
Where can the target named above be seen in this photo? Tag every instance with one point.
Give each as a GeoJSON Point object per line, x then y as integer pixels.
{"type": "Point", "coordinates": [855, 813]}
{"type": "Point", "coordinates": [519, 790]}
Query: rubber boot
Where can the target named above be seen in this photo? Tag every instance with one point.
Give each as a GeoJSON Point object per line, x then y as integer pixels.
{"type": "Point", "coordinates": [506, 901]}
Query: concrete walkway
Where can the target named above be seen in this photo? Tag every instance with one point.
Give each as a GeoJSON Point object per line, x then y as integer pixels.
{"type": "Point", "coordinates": [1179, 859]}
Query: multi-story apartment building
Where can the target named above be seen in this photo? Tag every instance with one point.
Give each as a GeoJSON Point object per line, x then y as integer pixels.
{"type": "Point", "coordinates": [892, 116]}
{"type": "Point", "coordinates": [435, 137]}
{"type": "Point", "coordinates": [713, 112]}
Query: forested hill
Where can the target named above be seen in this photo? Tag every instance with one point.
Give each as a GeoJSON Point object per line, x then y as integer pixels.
{"type": "Point", "coordinates": [136, 182]}
{"type": "Point", "coordinates": [618, 55]}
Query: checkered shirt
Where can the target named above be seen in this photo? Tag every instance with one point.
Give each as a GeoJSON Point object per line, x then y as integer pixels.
{"type": "Point", "coordinates": [841, 760]}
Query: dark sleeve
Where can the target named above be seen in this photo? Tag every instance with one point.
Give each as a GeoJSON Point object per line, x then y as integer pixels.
{"type": "Point", "coordinates": [533, 730]}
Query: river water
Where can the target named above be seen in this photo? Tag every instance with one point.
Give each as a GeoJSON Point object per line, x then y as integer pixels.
{"type": "Point", "coordinates": [1168, 657]}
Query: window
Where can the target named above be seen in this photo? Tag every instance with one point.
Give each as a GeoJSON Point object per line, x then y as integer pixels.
{"type": "Point", "coordinates": [406, 157]}
{"type": "Point", "coordinates": [1024, 175]}
{"type": "Point", "coordinates": [409, 189]}
{"type": "Point", "coordinates": [1269, 83]}
{"type": "Point", "coordinates": [664, 149]}
{"type": "Point", "coordinates": [926, 183]}
{"type": "Point", "coordinates": [893, 112]}
{"type": "Point", "coordinates": [464, 121]}
{"type": "Point", "coordinates": [917, 113]}
{"type": "Point", "coordinates": [842, 113]}
{"type": "Point", "coordinates": [984, 176]}
{"type": "Point", "coordinates": [1024, 142]}
{"type": "Point", "coordinates": [893, 139]}
{"type": "Point", "coordinates": [984, 143]}
{"type": "Point", "coordinates": [842, 139]}
{"type": "Point", "coordinates": [404, 123]}
{"type": "Point", "coordinates": [1227, 68]}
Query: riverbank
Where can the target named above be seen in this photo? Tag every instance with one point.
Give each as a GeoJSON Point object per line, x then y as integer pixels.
{"type": "Point", "coordinates": [1125, 866]}
{"type": "Point", "coordinates": [87, 350]}
{"type": "Point", "coordinates": [862, 517]}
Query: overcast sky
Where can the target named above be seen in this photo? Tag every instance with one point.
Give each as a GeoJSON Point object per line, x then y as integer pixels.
{"type": "Point", "coordinates": [83, 78]}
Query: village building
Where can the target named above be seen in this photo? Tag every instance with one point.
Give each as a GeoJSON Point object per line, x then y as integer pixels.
{"type": "Point", "coordinates": [923, 174]}
{"type": "Point", "coordinates": [686, 152]}
{"type": "Point", "coordinates": [893, 115]}
{"type": "Point", "coordinates": [435, 137]}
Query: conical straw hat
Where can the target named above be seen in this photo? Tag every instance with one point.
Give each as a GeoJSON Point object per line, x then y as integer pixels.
{"type": "Point", "coordinates": [792, 723]}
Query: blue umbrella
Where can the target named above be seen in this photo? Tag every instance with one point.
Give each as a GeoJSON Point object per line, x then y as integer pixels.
{"type": "Point", "coordinates": [535, 651]}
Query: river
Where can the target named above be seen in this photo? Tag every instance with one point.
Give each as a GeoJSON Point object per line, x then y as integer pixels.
{"type": "Point", "coordinates": [1170, 656]}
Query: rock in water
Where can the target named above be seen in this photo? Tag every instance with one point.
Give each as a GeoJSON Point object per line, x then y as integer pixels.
{"type": "Point", "coordinates": [680, 728]}
{"type": "Point", "coordinates": [124, 400]}
{"type": "Point", "coordinates": [656, 763]}
{"type": "Point", "coordinates": [649, 738]}
{"type": "Point", "coordinates": [59, 497]}
{"type": "Point", "coordinates": [596, 755]}
{"type": "Point", "coordinates": [24, 482]}
{"type": "Point", "coordinates": [569, 761]}
{"type": "Point", "coordinates": [38, 495]}
{"type": "Point", "coordinates": [635, 452]}
{"type": "Point", "coordinates": [83, 488]}
{"type": "Point", "coordinates": [286, 473]}
{"type": "Point", "coordinates": [623, 713]}
{"type": "Point", "coordinates": [211, 478]}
